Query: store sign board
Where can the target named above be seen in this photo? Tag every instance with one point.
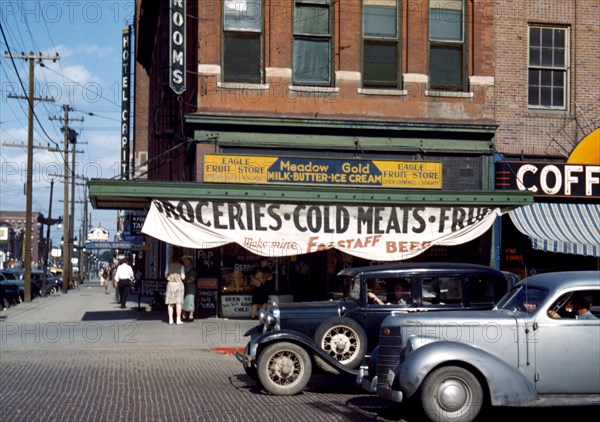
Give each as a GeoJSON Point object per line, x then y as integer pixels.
{"type": "Point", "coordinates": [550, 179]}
{"type": "Point", "coordinates": [382, 233]}
{"type": "Point", "coordinates": [177, 59]}
{"type": "Point", "coordinates": [3, 233]}
{"type": "Point", "coordinates": [222, 168]}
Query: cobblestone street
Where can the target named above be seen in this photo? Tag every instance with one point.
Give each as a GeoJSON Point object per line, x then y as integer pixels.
{"type": "Point", "coordinates": [157, 385]}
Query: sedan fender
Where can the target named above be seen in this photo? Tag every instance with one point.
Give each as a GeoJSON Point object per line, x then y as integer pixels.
{"type": "Point", "coordinates": [506, 384]}
{"type": "Point", "coordinates": [303, 341]}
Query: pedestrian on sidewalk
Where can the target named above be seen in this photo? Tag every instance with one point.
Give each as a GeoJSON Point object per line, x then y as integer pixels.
{"type": "Point", "coordinates": [175, 274]}
{"type": "Point", "coordinates": [189, 289]}
{"type": "Point", "coordinates": [123, 277]}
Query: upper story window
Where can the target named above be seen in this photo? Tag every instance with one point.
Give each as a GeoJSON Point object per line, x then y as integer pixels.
{"type": "Point", "coordinates": [313, 43]}
{"type": "Point", "coordinates": [447, 45]}
{"type": "Point", "coordinates": [242, 41]}
{"type": "Point", "coordinates": [548, 53]}
{"type": "Point", "coordinates": [381, 40]}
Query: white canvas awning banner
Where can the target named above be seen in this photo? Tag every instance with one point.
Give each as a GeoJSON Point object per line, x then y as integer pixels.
{"type": "Point", "coordinates": [382, 233]}
{"type": "Point", "coordinates": [565, 228]}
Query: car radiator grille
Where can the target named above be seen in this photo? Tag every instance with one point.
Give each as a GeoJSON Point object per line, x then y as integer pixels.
{"type": "Point", "coordinates": [390, 348]}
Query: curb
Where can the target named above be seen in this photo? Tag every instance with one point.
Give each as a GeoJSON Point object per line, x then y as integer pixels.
{"type": "Point", "coordinates": [228, 350]}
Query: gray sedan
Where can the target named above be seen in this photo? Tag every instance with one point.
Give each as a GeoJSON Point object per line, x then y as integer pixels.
{"type": "Point", "coordinates": [539, 347]}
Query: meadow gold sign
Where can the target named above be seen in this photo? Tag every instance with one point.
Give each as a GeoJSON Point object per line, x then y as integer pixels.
{"type": "Point", "coordinates": [255, 169]}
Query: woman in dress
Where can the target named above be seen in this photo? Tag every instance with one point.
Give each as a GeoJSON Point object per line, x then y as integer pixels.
{"type": "Point", "coordinates": [175, 274]}
{"type": "Point", "coordinates": [189, 289]}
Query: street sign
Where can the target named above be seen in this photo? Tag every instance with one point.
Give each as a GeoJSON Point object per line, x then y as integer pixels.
{"type": "Point", "coordinates": [108, 245]}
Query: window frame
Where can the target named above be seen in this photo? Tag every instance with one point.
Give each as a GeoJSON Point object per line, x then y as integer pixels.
{"type": "Point", "coordinates": [302, 36]}
{"type": "Point", "coordinates": [383, 40]}
{"type": "Point", "coordinates": [246, 33]}
{"type": "Point", "coordinates": [461, 46]}
{"type": "Point", "coordinates": [541, 67]}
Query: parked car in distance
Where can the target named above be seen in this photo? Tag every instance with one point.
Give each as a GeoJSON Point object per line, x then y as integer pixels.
{"type": "Point", "coordinates": [536, 348]}
{"type": "Point", "coordinates": [337, 335]}
{"type": "Point", "coordinates": [15, 275]}
{"type": "Point", "coordinates": [9, 292]}
{"type": "Point", "coordinates": [53, 282]}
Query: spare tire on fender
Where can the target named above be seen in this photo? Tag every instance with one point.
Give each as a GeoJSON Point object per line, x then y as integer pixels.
{"type": "Point", "coordinates": [344, 340]}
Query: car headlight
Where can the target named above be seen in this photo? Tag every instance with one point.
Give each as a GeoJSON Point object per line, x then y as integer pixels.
{"type": "Point", "coordinates": [267, 319]}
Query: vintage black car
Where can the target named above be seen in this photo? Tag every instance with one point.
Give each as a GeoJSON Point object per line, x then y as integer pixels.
{"type": "Point", "coordinates": [338, 334]}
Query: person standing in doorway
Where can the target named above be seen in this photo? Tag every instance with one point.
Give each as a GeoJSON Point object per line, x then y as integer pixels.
{"type": "Point", "coordinates": [189, 289]}
{"type": "Point", "coordinates": [259, 278]}
{"type": "Point", "coordinates": [175, 274]}
{"type": "Point", "coordinates": [123, 278]}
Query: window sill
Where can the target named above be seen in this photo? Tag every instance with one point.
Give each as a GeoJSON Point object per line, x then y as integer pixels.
{"type": "Point", "coordinates": [448, 94]}
{"type": "Point", "coordinates": [545, 111]}
{"type": "Point", "coordinates": [379, 91]}
{"type": "Point", "coordinates": [314, 89]}
{"type": "Point", "coordinates": [242, 85]}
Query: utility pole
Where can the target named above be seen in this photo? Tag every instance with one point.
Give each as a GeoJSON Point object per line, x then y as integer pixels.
{"type": "Point", "coordinates": [67, 248]}
{"type": "Point", "coordinates": [29, 184]}
{"type": "Point", "coordinates": [83, 238]}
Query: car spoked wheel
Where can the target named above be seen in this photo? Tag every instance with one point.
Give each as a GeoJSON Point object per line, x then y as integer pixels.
{"type": "Point", "coordinates": [344, 340]}
{"type": "Point", "coordinates": [341, 343]}
{"type": "Point", "coordinates": [451, 393]}
{"type": "Point", "coordinates": [284, 368]}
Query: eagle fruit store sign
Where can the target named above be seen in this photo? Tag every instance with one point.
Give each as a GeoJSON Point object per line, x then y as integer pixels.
{"type": "Point", "coordinates": [384, 233]}
{"type": "Point", "coordinates": [221, 168]}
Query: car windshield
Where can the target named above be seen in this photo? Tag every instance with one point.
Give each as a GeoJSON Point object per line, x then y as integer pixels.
{"type": "Point", "coordinates": [523, 298]}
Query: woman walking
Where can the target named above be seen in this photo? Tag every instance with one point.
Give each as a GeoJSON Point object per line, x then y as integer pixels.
{"type": "Point", "coordinates": [175, 274]}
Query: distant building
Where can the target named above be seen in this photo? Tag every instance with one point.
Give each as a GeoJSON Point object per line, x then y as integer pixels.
{"type": "Point", "coordinates": [13, 248]}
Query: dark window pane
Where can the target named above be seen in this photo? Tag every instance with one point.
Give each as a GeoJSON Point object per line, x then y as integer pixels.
{"type": "Point", "coordinates": [559, 78]}
{"type": "Point", "coordinates": [534, 36]}
{"type": "Point", "coordinates": [546, 77]}
{"type": "Point", "coordinates": [380, 64]}
{"type": "Point", "coordinates": [534, 56]}
{"type": "Point", "coordinates": [559, 57]}
{"type": "Point", "coordinates": [380, 21]}
{"type": "Point", "coordinates": [534, 96]}
{"type": "Point", "coordinates": [312, 61]}
{"type": "Point", "coordinates": [558, 97]}
{"type": "Point", "coordinates": [546, 96]}
{"type": "Point", "coordinates": [534, 77]}
{"type": "Point", "coordinates": [559, 38]}
{"type": "Point", "coordinates": [547, 37]}
{"type": "Point", "coordinates": [242, 57]}
{"type": "Point", "coordinates": [445, 24]}
{"type": "Point", "coordinates": [313, 20]}
{"type": "Point", "coordinates": [446, 67]}
{"type": "Point", "coordinates": [546, 56]}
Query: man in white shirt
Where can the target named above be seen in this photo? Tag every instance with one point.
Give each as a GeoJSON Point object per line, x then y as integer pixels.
{"type": "Point", "coordinates": [124, 276]}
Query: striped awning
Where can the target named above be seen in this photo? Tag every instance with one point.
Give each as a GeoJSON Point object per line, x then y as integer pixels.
{"type": "Point", "coordinates": [564, 228]}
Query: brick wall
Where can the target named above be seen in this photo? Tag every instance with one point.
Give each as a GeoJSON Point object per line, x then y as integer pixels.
{"type": "Point", "coordinates": [540, 133]}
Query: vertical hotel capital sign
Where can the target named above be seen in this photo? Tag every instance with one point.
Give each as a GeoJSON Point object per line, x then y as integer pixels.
{"type": "Point", "coordinates": [177, 65]}
{"type": "Point", "coordinates": [125, 101]}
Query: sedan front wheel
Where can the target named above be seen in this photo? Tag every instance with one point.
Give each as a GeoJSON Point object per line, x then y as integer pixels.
{"type": "Point", "coordinates": [284, 368]}
{"type": "Point", "coordinates": [451, 393]}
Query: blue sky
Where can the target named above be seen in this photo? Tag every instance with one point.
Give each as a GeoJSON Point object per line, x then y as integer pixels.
{"type": "Point", "coordinates": [87, 37]}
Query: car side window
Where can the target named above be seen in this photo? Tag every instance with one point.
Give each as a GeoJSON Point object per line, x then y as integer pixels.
{"type": "Point", "coordinates": [442, 290]}
{"type": "Point", "coordinates": [583, 304]}
{"type": "Point", "coordinates": [481, 290]}
{"type": "Point", "coordinates": [376, 290]}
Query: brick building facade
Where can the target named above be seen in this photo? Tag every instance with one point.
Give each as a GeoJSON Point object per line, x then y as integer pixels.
{"type": "Point", "coordinates": [452, 82]}
{"type": "Point", "coordinates": [14, 246]}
